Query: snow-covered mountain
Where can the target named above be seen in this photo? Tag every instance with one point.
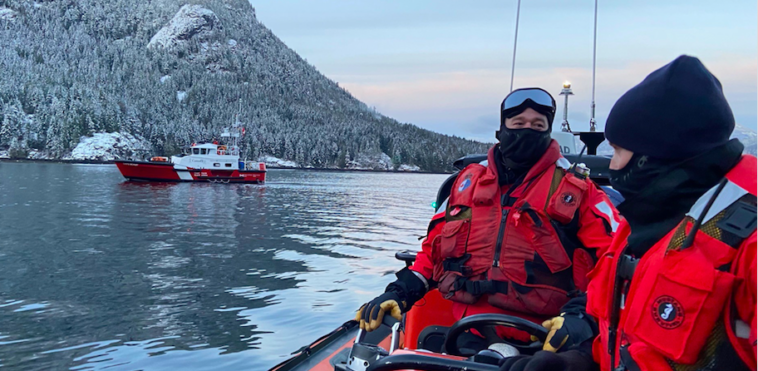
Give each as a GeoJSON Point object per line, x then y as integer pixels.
{"type": "Point", "coordinates": [745, 135]}
{"type": "Point", "coordinates": [173, 72]}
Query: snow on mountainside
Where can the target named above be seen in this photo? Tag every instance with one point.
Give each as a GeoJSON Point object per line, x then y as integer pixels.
{"type": "Point", "coordinates": [7, 14]}
{"type": "Point", "coordinates": [272, 161]}
{"type": "Point", "coordinates": [191, 22]}
{"type": "Point", "coordinates": [176, 72]}
{"type": "Point", "coordinates": [110, 146]}
{"type": "Point", "coordinates": [747, 137]}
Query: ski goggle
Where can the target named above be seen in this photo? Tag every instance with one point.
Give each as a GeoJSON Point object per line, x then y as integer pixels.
{"type": "Point", "coordinates": [520, 96]}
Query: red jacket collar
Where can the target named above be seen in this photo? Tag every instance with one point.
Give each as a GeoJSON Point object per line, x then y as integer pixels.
{"type": "Point", "coordinates": [551, 155]}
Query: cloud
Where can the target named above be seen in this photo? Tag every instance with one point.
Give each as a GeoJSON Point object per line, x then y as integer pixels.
{"type": "Point", "coordinates": [466, 102]}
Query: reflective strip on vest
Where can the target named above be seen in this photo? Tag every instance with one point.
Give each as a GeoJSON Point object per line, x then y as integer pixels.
{"type": "Point", "coordinates": [729, 195]}
{"type": "Point", "coordinates": [604, 208]}
{"type": "Point", "coordinates": [442, 208]}
{"type": "Point", "coordinates": [741, 329]}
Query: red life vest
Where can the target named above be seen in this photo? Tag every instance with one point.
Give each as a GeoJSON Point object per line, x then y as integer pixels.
{"type": "Point", "coordinates": [507, 246]}
{"type": "Point", "coordinates": [676, 307]}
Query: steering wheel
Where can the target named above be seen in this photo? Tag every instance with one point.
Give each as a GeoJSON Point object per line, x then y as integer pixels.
{"type": "Point", "coordinates": [480, 320]}
{"type": "Point", "coordinates": [427, 363]}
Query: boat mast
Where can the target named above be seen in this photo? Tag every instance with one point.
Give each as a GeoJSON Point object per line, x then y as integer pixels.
{"type": "Point", "coordinates": [594, 58]}
{"type": "Point", "coordinates": [515, 42]}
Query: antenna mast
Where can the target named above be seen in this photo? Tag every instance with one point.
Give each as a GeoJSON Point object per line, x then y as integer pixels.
{"type": "Point", "coordinates": [594, 58]}
{"type": "Point", "coordinates": [515, 41]}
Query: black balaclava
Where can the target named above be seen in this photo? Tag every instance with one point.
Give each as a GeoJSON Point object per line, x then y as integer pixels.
{"type": "Point", "coordinates": [658, 193]}
{"type": "Point", "coordinates": [520, 149]}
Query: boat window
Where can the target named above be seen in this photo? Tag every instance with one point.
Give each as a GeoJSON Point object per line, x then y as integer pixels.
{"type": "Point", "coordinates": [196, 151]}
{"type": "Point", "coordinates": [202, 151]}
{"type": "Point", "coordinates": [228, 165]}
{"type": "Point", "coordinates": [216, 164]}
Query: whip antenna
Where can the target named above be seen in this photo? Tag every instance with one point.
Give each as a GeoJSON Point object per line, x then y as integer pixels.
{"type": "Point", "coordinates": [594, 58]}
{"type": "Point", "coordinates": [515, 41]}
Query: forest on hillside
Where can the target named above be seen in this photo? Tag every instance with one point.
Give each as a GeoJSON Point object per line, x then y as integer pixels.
{"type": "Point", "coordinates": [175, 72]}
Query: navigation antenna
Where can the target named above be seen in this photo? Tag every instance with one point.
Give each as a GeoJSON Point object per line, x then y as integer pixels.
{"type": "Point", "coordinates": [515, 41]}
{"type": "Point", "coordinates": [594, 58]}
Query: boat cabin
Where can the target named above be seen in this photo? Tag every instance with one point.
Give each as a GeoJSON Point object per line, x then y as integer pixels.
{"type": "Point", "coordinates": [210, 149]}
{"type": "Point", "coordinates": [209, 156]}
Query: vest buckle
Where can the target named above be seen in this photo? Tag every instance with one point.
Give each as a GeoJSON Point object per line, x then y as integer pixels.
{"type": "Point", "coordinates": [740, 220]}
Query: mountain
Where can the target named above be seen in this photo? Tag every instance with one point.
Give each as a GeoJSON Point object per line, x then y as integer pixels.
{"type": "Point", "coordinates": [166, 73]}
{"type": "Point", "coordinates": [745, 135]}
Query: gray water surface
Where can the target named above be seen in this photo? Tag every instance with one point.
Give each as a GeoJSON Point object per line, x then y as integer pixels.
{"type": "Point", "coordinates": [99, 273]}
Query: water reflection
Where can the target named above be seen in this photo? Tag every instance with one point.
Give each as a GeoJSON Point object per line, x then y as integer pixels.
{"type": "Point", "coordinates": [101, 273]}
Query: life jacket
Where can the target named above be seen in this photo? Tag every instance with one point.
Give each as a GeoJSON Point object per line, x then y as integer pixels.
{"type": "Point", "coordinates": [674, 309]}
{"type": "Point", "coordinates": [516, 247]}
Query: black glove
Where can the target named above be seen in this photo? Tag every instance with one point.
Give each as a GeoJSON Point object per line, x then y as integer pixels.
{"type": "Point", "coordinates": [567, 331]}
{"type": "Point", "coordinates": [572, 329]}
{"type": "Point", "coordinates": [572, 360]}
{"type": "Point", "coordinates": [396, 300]}
{"type": "Point", "coordinates": [372, 313]}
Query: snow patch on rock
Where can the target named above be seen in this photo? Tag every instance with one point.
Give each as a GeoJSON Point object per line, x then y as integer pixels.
{"type": "Point", "coordinates": [405, 167]}
{"type": "Point", "coordinates": [272, 161]}
{"type": "Point", "coordinates": [180, 95]}
{"type": "Point", "coordinates": [7, 14]}
{"type": "Point", "coordinates": [109, 146]}
{"type": "Point", "coordinates": [191, 21]}
{"type": "Point", "coordinates": [30, 154]}
{"type": "Point", "coordinates": [39, 155]}
{"type": "Point", "coordinates": [165, 78]}
{"type": "Point", "coordinates": [371, 162]}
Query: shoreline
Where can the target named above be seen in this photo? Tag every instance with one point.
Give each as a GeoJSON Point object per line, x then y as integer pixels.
{"type": "Point", "coordinates": [97, 162]}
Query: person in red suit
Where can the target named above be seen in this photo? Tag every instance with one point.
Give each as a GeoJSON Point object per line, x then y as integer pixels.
{"type": "Point", "coordinates": [518, 234]}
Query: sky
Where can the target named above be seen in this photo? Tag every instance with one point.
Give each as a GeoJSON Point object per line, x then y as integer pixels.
{"type": "Point", "coordinates": [446, 65]}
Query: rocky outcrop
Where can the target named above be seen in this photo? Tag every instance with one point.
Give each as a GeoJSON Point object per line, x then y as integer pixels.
{"type": "Point", "coordinates": [110, 146]}
{"type": "Point", "coordinates": [191, 22]}
{"type": "Point", "coordinates": [7, 14]}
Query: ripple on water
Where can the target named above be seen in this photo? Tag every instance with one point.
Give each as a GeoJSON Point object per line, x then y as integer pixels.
{"type": "Point", "coordinates": [99, 273]}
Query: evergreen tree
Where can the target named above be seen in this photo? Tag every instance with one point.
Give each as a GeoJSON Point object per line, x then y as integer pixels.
{"type": "Point", "coordinates": [74, 68]}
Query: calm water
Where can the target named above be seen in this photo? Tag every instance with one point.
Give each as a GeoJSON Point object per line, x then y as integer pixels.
{"type": "Point", "coordinates": [99, 273]}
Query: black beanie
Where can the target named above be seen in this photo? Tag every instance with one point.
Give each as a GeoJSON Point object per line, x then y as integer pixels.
{"type": "Point", "coordinates": [677, 112]}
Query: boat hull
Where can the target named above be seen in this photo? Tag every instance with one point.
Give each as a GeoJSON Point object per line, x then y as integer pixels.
{"type": "Point", "coordinates": [168, 172]}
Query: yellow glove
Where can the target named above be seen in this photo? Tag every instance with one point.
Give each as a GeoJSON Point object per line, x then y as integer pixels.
{"type": "Point", "coordinates": [553, 325]}
{"type": "Point", "coordinates": [571, 329]}
{"type": "Point", "coordinates": [372, 313]}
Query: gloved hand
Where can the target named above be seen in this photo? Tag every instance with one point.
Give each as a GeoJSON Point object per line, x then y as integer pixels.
{"type": "Point", "coordinates": [572, 360]}
{"type": "Point", "coordinates": [566, 331]}
{"type": "Point", "coordinates": [372, 313]}
{"type": "Point", "coordinates": [396, 300]}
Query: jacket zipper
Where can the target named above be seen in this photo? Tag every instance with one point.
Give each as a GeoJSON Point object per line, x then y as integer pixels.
{"type": "Point", "coordinates": [500, 235]}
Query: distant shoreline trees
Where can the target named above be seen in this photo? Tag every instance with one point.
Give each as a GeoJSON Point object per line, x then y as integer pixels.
{"type": "Point", "coordinates": [71, 69]}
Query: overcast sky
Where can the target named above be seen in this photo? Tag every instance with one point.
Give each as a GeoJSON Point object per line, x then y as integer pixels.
{"type": "Point", "coordinates": [445, 65]}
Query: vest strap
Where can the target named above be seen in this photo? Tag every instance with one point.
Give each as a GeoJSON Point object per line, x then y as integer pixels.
{"type": "Point", "coordinates": [627, 362]}
{"type": "Point", "coordinates": [626, 267]}
{"type": "Point", "coordinates": [477, 288]}
{"type": "Point", "coordinates": [457, 264]}
{"type": "Point", "coordinates": [740, 220]}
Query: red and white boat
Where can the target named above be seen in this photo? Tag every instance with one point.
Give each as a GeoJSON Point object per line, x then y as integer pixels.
{"type": "Point", "coordinates": [206, 162]}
